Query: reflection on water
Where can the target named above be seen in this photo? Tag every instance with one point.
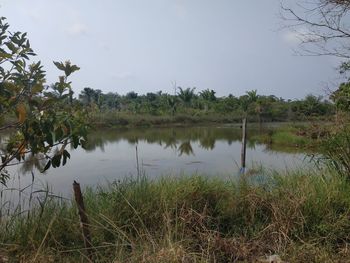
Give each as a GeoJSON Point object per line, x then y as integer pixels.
{"type": "Point", "coordinates": [179, 138]}
{"type": "Point", "coordinates": [167, 137]}
{"type": "Point", "coordinates": [33, 162]}
{"type": "Point", "coordinates": [110, 155]}
{"type": "Point", "coordinates": [185, 148]}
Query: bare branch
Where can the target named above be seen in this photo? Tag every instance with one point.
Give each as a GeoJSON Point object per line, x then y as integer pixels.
{"type": "Point", "coordinates": [322, 26]}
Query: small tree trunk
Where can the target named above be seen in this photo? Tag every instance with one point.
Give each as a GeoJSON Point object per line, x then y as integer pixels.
{"type": "Point", "coordinates": [244, 144]}
{"type": "Point", "coordinates": [84, 222]}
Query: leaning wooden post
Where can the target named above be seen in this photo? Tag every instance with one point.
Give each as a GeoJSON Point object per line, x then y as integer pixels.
{"type": "Point", "coordinates": [244, 144]}
{"type": "Point", "coordinates": [84, 222]}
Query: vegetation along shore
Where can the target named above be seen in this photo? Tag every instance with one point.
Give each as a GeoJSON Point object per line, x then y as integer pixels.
{"type": "Point", "coordinates": [301, 215]}
{"type": "Point", "coordinates": [208, 206]}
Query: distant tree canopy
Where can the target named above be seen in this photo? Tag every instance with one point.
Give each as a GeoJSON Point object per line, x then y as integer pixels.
{"type": "Point", "coordinates": [187, 101]}
{"type": "Point", "coordinates": [43, 119]}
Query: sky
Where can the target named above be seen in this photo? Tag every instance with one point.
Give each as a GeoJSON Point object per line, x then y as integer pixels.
{"type": "Point", "coordinates": [146, 46]}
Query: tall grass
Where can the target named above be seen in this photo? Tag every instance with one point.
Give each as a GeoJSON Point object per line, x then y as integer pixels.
{"type": "Point", "coordinates": [307, 137]}
{"type": "Point", "coordinates": [336, 150]}
{"type": "Point", "coordinates": [301, 216]}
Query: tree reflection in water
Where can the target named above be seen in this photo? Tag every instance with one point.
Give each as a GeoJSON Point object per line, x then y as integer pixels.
{"type": "Point", "coordinates": [179, 139]}
{"type": "Point", "coordinates": [186, 148]}
{"type": "Point", "coordinates": [170, 137]}
{"type": "Point", "coordinates": [32, 163]}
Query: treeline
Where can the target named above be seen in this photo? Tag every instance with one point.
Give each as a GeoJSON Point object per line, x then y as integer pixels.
{"type": "Point", "coordinates": [188, 101]}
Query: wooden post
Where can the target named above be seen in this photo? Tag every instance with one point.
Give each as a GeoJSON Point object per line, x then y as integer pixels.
{"type": "Point", "coordinates": [84, 222]}
{"type": "Point", "coordinates": [244, 144]}
{"type": "Point", "coordinates": [137, 164]}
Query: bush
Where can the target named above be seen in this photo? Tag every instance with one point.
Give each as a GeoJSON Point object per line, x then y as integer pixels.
{"type": "Point", "coordinates": [336, 150]}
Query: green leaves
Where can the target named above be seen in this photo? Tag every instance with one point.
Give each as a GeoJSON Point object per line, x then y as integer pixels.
{"type": "Point", "coordinates": [11, 47]}
{"type": "Point", "coordinates": [46, 117]}
{"type": "Point", "coordinates": [59, 65]}
{"type": "Point", "coordinates": [341, 97]}
{"type": "Point", "coordinates": [186, 95]}
{"type": "Point", "coordinates": [4, 55]}
{"type": "Point", "coordinates": [67, 67]}
{"type": "Point", "coordinates": [63, 87]}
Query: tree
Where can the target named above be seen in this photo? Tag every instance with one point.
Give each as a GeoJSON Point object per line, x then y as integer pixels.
{"type": "Point", "coordinates": [252, 96]}
{"type": "Point", "coordinates": [321, 25]}
{"type": "Point", "coordinates": [247, 100]}
{"type": "Point", "coordinates": [111, 100]}
{"type": "Point", "coordinates": [46, 121]}
{"type": "Point", "coordinates": [227, 104]}
{"type": "Point", "coordinates": [87, 95]}
{"type": "Point", "coordinates": [131, 95]}
{"type": "Point", "coordinates": [98, 98]}
{"type": "Point", "coordinates": [186, 95]}
{"type": "Point", "coordinates": [172, 103]}
{"type": "Point", "coordinates": [341, 97]}
{"type": "Point", "coordinates": [312, 104]}
{"type": "Point", "coordinates": [244, 103]}
{"type": "Point", "coordinates": [208, 96]}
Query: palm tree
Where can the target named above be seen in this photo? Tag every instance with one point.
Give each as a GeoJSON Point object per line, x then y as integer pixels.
{"type": "Point", "coordinates": [208, 96]}
{"type": "Point", "coordinates": [312, 104]}
{"type": "Point", "coordinates": [244, 103]}
{"type": "Point", "coordinates": [186, 148]}
{"type": "Point", "coordinates": [252, 96]}
{"type": "Point", "coordinates": [172, 103]}
{"type": "Point", "coordinates": [186, 95]}
{"type": "Point", "coordinates": [98, 98]}
{"type": "Point", "coordinates": [87, 95]}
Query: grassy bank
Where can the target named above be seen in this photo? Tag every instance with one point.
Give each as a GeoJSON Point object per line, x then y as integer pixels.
{"type": "Point", "coordinates": [117, 119]}
{"type": "Point", "coordinates": [306, 136]}
{"type": "Point", "coordinates": [302, 217]}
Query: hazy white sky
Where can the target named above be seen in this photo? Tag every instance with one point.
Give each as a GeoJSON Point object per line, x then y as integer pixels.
{"type": "Point", "coordinates": [145, 45]}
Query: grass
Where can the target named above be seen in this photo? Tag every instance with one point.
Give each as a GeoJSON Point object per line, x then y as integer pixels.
{"type": "Point", "coordinates": [301, 216]}
{"type": "Point", "coordinates": [289, 138]}
{"type": "Point", "coordinates": [185, 116]}
{"type": "Point", "coordinates": [308, 136]}
{"type": "Point", "coordinates": [113, 118]}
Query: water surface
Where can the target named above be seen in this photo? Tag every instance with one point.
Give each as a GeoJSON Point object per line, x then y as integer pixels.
{"type": "Point", "coordinates": [113, 154]}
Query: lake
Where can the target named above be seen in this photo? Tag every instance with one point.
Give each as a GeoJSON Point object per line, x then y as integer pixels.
{"type": "Point", "coordinates": [113, 154]}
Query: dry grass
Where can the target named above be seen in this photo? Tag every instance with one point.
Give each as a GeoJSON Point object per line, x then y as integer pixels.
{"type": "Point", "coordinates": [302, 217]}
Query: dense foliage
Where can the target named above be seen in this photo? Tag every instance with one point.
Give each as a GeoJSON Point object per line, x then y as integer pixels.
{"type": "Point", "coordinates": [187, 101]}
{"type": "Point", "coordinates": [47, 120]}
